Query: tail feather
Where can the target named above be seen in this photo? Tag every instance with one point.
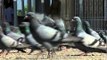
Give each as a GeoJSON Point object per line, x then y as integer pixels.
{"type": "Point", "coordinates": [71, 39]}
{"type": "Point", "coordinates": [23, 45]}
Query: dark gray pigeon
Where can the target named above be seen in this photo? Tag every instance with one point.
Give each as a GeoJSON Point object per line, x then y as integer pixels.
{"type": "Point", "coordinates": [56, 22]}
{"type": "Point", "coordinates": [45, 35]}
{"type": "Point", "coordinates": [103, 36]}
{"type": "Point", "coordinates": [30, 39]}
{"type": "Point", "coordinates": [90, 31]}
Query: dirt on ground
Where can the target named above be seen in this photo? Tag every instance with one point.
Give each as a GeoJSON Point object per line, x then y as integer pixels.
{"type": "Point", "coordinates": [67, 54]}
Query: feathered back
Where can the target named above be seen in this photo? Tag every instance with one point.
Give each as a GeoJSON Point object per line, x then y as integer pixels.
{"type": "Point", "coordinates": [48, 21]}
{"type": "Point", "coordinates": [40, 31]}
{"type": "Point", "coordinates": [60, 25]}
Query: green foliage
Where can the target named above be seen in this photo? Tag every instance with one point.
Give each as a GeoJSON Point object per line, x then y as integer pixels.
{"type": "Point", "coordinates": [26, 9]}
{"type": "Point", "coordinates": [19, 12]}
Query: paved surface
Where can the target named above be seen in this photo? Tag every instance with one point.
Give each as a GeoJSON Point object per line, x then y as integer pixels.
{"type": "Point", "coordinates": [60, 55]}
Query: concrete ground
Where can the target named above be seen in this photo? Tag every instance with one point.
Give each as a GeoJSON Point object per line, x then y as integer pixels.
{"type": "Point", "coordinates": [66, 54]}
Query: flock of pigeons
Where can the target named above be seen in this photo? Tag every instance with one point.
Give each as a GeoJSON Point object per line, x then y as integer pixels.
{"type": "Point", "coordinates": [42, 32]}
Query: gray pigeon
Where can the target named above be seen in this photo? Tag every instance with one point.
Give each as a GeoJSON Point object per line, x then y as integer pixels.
{"type": "Point", "coordinates": [88, 43]}
{"type": "Point", "coordinates": [10, 43]}
{"type": "Point", "coordinates": [13, 32]}
{"type": "Point", "coordinates": [103, 36]}
{"type": "Point", "coordinates": [90, 31]}
{"type": "Point", "coordinates": [45, 35]}
{"type": "Point", "coordinates": [56, 22]}
{"type": "Point", "coordinates": [30, 39]}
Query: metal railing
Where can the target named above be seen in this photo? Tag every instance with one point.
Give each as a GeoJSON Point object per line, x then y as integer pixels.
{"type": "Point", "coordinates": [92, 11]}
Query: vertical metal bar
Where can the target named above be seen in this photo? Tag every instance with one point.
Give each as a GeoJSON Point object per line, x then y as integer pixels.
{"type": "Point", "coordinates": [66, 10]}
{"type": "Point", "coordinates": [34, 7]}
{"type": "Point", "coordinates": [75, 8]}
{"type": "Point", "coordinates": [93, 13]}
{"type": "Point", "coordinates": [1, 3]}
{"type": "Point", "coordinates": [105, 9]}
{"type": "Point", "coordinates": [105, 13]}
{"type": "Point", "coordinates": [81, 8]}
{"type": "Point", "coordinates": [40, 6]}
{"type": "Point", "coordinates": [29, 6]}
{"type": "Point", "coordinates": [97, 15]}
{"type": "Point", "coordinates": [23, 10]}
{"type": "Point", "coordinates": [85, 8]}
{"type": "Point", "coordinates": [15, 13]}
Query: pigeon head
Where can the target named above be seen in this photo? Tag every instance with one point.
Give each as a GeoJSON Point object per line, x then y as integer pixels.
{"type": "Point", "coordinates": [76, 18]}
{"type": "Point", "coordinates": [86, 23]}
{"type": "Point", "coordinates": [79, 25]}
{"type": "Point", "coordinates": [5, 24]}
{"type": "Point", "coordinates": [101, 32]}
{"type": "Point", "coordinates": [29, 16]}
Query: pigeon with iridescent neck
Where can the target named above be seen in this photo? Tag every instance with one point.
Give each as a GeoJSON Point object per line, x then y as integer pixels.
{"type": "Point", "coordinates": [13, 32]}
{"type": "Point", "coordinates": [89, 43]}
{"type": "Point", "coordinates": [45, 35]}
{"type": "Point", "coordinates": [10, 43]}
{"type": "Point", "coordinates": [30, 39]}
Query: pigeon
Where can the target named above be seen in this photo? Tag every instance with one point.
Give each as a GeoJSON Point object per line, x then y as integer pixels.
{"type": "Point", "coordinates": [48, 22]}
{"type": "Point", "coordinates": [13, 32]}
{"type": "Point", "coordinates": [89, 43]}
{"type": "Point", "coordinates": [16, 30]}
{"type": "Point", "coordinates": [43, 19]}
{"type": "Point", "coordinates": [45, 35]}
{"type": "Point", "coordinates": [34, 44]}
{"type": "Point", "coordinates": [56, 22]}
{"type": "Point", "coordinates": [90, 31]}
{"type": "Point", "coordinates": [10, 43]}
{"type": "Point", "coordinates": [103, 36]}
{"type": "Point", "coordinates": [60, 25]}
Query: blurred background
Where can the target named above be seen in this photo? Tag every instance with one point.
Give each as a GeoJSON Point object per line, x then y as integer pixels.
{"type": "Point", "coordinates": [95, 11]}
